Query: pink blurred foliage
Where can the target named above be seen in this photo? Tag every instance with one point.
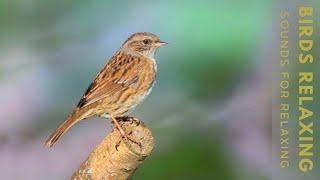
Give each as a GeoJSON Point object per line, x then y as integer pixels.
{"type": "Point", "coordinates": [25, 90]}
{"type": "Point", "coordinates": [31, 160]}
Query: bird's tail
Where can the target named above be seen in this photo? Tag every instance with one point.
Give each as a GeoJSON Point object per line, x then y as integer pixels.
{"type": "Point", "coordinates": [61, 130]}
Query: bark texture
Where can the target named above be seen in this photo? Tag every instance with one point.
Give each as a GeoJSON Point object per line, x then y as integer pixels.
{"type": "Point", "coordinates": [117, 158]}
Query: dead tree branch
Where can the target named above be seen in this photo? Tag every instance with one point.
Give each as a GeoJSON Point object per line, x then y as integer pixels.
{"type": "Point", "coordinates": [117, 158]}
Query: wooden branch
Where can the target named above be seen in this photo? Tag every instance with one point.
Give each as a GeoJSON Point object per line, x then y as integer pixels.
{"type": "Point", "coordinates": [109, 162]}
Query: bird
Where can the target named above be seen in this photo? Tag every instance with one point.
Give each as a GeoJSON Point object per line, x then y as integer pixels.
{"type": "Point", "coordinates": [123, 83]}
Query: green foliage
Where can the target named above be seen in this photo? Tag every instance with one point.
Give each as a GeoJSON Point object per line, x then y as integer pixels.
{"type": "Point", "coordinates": [192, 157]}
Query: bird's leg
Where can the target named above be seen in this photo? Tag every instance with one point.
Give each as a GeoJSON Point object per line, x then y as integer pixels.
{"type": "Point", "coordinates": [127, 118]}
{"type": "Point", "coordinates": [122, 131]}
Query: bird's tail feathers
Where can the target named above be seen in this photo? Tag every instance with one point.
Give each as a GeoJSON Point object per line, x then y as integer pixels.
{"type": "Point", "coordinates": [61, 130]}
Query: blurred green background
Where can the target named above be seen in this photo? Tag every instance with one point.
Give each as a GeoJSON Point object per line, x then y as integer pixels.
{"type": "Point", "coordinates": [208, 110]}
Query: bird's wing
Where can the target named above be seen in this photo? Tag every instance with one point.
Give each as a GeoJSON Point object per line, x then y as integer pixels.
{"type": "Point", "coordinates": [120, 73]}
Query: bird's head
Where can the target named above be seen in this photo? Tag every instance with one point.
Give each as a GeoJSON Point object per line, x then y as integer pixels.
{"type": "Point", "coordinates": [143, 43]}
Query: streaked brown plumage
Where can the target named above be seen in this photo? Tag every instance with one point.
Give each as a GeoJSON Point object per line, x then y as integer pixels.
{"type": "Point", "coordinates": [121, 85]}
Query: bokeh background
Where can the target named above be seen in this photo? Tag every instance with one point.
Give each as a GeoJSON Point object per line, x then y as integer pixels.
{"type": "Point", "coordinates": [209, 111]}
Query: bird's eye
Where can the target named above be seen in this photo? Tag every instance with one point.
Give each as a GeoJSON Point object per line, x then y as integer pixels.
{"type": "Point", "coordinates": [147, 41]}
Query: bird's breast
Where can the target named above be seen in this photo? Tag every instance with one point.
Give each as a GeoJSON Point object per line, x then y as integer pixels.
{"type": "Point", "coordinates": [138, 90]}
{"type": "Point", "coordinates": [145, 83]}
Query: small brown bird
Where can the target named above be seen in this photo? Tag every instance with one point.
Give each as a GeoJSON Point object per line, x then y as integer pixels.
{"type": "Point", "coordinates": [120, 86]}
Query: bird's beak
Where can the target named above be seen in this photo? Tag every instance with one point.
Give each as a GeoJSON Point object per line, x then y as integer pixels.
{"type": "Point", "coordinates": [161, 43]}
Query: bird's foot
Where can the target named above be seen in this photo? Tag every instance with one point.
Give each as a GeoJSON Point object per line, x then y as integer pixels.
{"type": "Point", "coordinates": [132, 140]}
{"type": "Point", "coordinates": [128, 139]}
{"type": "Point", "coordinates": [124, 134]}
